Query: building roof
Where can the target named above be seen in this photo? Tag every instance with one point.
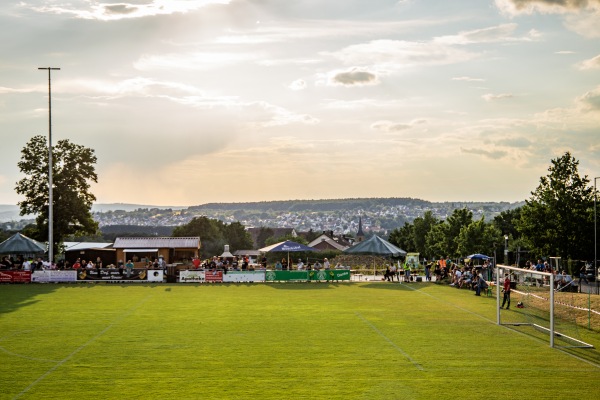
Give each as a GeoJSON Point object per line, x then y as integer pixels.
{"type": "Point", "coordinates": [157, 242]}
{"type": "Point", "coordinates": [329, 243]}
{"type": "Point", "coordinates": [77, 246]}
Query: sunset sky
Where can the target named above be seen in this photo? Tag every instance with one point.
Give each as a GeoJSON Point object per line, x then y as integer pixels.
{"type": "Point", "coordinates": [189, 102]}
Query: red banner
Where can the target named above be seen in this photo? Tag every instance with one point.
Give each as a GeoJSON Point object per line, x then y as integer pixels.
{"type": "Point", "coordinates": [213, 276]}
{"type": "Point", "coordinates": [15, 276]}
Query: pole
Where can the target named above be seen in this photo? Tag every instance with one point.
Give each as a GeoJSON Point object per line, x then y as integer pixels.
{"type": "Point", "coordinates": [595, 236]}
{"type": "Point", "coordinates": [50, 163]}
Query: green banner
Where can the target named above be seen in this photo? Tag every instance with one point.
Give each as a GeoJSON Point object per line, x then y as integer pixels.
{"type": "Point", "coordinates": [286, 276]}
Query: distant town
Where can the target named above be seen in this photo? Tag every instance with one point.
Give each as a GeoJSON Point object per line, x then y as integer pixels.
{"type": "Point", "coordinates": [379, 215]}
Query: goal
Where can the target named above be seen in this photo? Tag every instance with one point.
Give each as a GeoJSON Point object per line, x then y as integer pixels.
{"type": "Point", "coordinates": [539, 302]}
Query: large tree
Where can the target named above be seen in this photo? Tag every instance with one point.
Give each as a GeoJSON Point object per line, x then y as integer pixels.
{"type": "Point", "coordinates": [558, 218]}
{"type": "Point", "coordinates": [73, 170]}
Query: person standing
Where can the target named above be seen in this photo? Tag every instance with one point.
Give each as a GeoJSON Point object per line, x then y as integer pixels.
{"type": "Point", "coordinates": [129, 267]}
{"type": "Point", "coordinates": [506, 290]}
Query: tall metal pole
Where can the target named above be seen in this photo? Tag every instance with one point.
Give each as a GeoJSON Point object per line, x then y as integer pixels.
{"type": "Point", "coordinates": [595, 235]}
{"type": "Point", "coordinates": [50, 197]}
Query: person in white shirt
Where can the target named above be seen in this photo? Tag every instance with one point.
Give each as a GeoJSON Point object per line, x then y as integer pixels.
{"type": "Point", "coordinates": [326, 264]}
{"type": "Point", "coordinates": [300, 265]}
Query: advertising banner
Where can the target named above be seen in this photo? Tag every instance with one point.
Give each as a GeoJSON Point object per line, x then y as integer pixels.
{"type": "Point", "coordinates": [156, 275]}
{"type": "Point", "coordinates": [289, 276]}
{"type": "Point", "coordinates": [15, 276]}
{"type": "Point", "coordinates": [250, 276]}
{"type": "Point", "coordinates": [191, 276]}
{"type": "Point", "coordinates": [54, 276]}
{"type": "Point", "coordinates": [340, 275]}
{"type": "Point", "coordinates": [107, 275]}
{"type": "Point", "coordinates": [213, 276]}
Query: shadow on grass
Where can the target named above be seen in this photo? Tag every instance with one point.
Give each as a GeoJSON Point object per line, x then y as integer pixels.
{"type": "Point", "coordinates": [17, 295]}
{"type": "Point", "coordinates": [395, 285]}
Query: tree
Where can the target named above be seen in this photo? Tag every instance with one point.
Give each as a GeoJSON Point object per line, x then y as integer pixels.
{"type": "Point", "coordinates": [237, 237]}
{"type": "Point", "coordinates": [558, 218]}
{"type": "Point", "coordinates": [422, 226]}
{"type": "Point", "coordinates": [478, 237]}
{"type": "Point", "coordinates": [73, 170]}
{"type": "Point", "coordinates": [403, 237]}
{"type": "Point", "coordinates": [211, 236]}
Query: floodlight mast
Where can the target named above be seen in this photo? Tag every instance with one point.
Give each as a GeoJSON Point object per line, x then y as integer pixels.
{"type": "Point", "coordinates": [50, 197]}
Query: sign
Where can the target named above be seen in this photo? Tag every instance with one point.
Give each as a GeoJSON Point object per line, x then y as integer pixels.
{"type": "Point", "coordinates": [54, 276]}
{"type": "Point", "coordinates": [156, 275]}
{"type": "Point", "coordinates": [192, 276]}
{"type": "Point", "coordinates": [15, 276]}
{"type": "Point", "coordinates": [213, 276]}
{"type": "Point", "coordinates": [107, 275]}
{"type": "Point", "coordinates": [250, 276]}
{"type": "Point", "coordinates": [289, 276]}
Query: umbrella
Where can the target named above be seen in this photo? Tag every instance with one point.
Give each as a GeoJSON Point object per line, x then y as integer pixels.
{"type": "Point", "coordinates": [21, 244]}
{"type": "Point", "coordinates": [287, 246]}
{"type": "Point", "coordinates": [478, 256]}
{"type": "Point", "coordinates": [378, 246]}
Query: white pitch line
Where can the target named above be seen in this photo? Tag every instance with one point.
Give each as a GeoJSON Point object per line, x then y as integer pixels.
{"type": "Point", "coordinates": [394, 345]}
{"type": "Point", "coordinates": [83, 346]}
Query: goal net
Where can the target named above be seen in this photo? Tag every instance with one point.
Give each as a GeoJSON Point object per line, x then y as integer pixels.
{"type": "Point", "coordinates": [539, 301]}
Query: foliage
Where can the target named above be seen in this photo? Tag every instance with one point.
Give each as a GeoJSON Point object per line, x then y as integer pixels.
{"type": "Point", "coordinates": [264, 234]}
{"type": "Point", "coordinates": [422, 226]}
{"type": "Point", "coordinates": [478, 237]}
{"type": "Point", "coordinates": [403, 237]}
{"type": "Point", "coordinates": [73, 170]}
{"type": "Point", "coordinates": [297, 239]}
{"type": "Point", "coordinates": [558, 218]}
{"type": "Point", "coordinates": [214, 235]}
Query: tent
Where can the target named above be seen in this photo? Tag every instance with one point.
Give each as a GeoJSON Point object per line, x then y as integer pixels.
{"type": "Point", "coordinates": [21, 244]}
{"type": "Point", "coordinates": [376, 246]}
{"type": "Point", "coordinates": [288, 246]}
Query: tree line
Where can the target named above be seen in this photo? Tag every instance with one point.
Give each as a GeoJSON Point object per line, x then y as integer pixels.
{"type": "Point", "coordinates": [557, 220]}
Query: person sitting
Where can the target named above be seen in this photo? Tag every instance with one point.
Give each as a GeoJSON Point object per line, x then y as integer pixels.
{"type": "Point", "coordinates": [300, 265]}
{"type": "Point", "coordinates": [465, 279]}
{"type": "Point", "coordinates": [278, 266]}
{"type": "Point", "coordinates": [481, 285]}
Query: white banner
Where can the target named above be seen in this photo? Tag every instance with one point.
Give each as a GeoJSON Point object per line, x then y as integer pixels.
{"type": "Point", "coordinates": [156, 275]}
{"type": "Point", "coordinates": [191, 276]}
{"type": "Point", "coordinates": [251, 276]}
{"type": "Point", "coordinates": [51, 275]}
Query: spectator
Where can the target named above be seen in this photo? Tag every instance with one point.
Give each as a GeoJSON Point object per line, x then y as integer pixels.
{"type": "Point", "coordinates": [506, 290]}
{"type": "Point", "coordinates": [129, 267]}
{"type": "Point", "coordinates": [300, 265]}
{"type": "Point", "coordinates": [481, 285]}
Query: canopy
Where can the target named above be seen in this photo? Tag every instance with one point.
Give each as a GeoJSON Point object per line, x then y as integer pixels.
{"type": "Point", "coordinates": [287, 246]}
{"type": "Point", "coordinates": [478, 256]}
{"type": "Point", "coordinates": [21, 244]}
{"type": "Point", "coordinates": [376, 245]}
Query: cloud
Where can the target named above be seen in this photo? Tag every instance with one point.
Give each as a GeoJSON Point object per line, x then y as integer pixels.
{"type": "Point", "coordinates": [515, 7]}
{"type": "Point", "coordinates": [590, 100]}
{"type": "Point", "coordinates": [494, 34]}
{"type": "Point", "coordinates": [494, 155]}
{"type": "Point", "coordinates": [115, 11]}
{"type": "Point", "coordinates": [354, 77]}
{"type": "Point", "coordinates": [494, 97]}
{"type": "Point", "coordinates": [564, 52]}
{"type": "Point", "coordinates": [298, 84]}
{"type": "Point", "coordinates": [395, 54]}
{"type": "Point", "coordinates": [592, 63]}
{"type": "Point", "coordinates": [192, 61]}
{"type": "Point", "coordinates": [389, 126]}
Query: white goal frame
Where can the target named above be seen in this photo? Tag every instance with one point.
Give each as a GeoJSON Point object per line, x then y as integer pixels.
{"type": "Point", "coordinates": [501, 270]}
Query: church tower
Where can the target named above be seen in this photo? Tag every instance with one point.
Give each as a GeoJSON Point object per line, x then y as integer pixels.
{"type": "Point", "coordinates": [360, 235]}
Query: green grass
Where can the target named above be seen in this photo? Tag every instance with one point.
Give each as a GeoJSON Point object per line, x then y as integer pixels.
{"type": "Point", "coordinates": [276, 341]}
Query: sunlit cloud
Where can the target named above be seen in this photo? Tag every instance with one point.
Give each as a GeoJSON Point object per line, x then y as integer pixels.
{"type": "Point", "coordinates": [494, 34]}
{"type": "Point", "coordinates": [353, 77]}
{"type": "Point", "coordinates": [398, 54]}
{"type": "Point", "coordinates": [192, 61]}
{"type": "Point", "coordinates": [514, 7]}
{"type": "Point", "coordinates": [298, 84]}
{"type": "Point", "coordinates": [115, 11]}
{"type": "Point", "coordinates": [592, 63]}
{"type": "Point", "coordinates": [494, 97]}
{"type": "Point", "coordinates": [468, 79]}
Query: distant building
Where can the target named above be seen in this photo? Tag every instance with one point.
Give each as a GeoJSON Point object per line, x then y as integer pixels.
{"type": "Point", "coordinates": [360, 235]}
{"type": "Point", "coordinates": [327, 241]}
{"type": "Point", "coordinates": [277, 233]}
{"type": "Point", "coordinates": [172, 249]}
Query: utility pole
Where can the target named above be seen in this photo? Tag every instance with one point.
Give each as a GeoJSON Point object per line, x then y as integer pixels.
{"type": "Point", "coordinates": [50, 197]}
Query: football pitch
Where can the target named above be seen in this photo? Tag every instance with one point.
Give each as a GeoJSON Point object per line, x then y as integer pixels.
{"type": "Point", "coordinates": [369, 340]}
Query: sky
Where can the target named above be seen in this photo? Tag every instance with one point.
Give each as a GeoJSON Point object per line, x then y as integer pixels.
{"type": "Point", "coordinates": [197, 101]}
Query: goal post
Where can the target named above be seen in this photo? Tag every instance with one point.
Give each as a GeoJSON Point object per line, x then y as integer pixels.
{"type": "Point", "coordinates": [533, 304]}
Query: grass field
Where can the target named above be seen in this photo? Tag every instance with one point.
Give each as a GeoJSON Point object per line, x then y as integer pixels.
{"type": "Point", "coordinates": [369, 340]}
